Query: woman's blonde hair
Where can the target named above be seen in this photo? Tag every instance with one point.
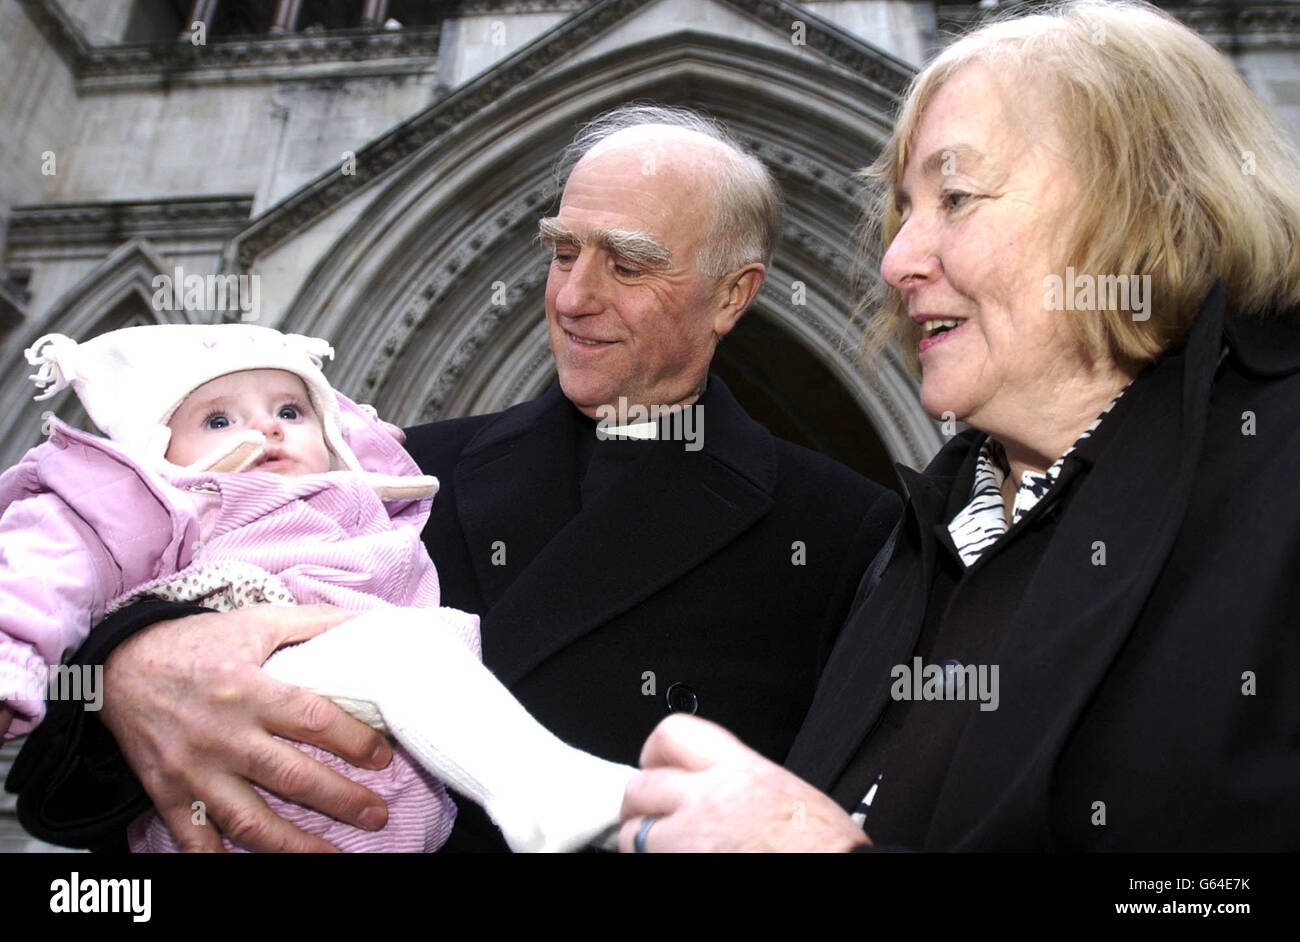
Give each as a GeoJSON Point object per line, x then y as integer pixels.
{"type": "Point", "coordinates": [1184, 175]}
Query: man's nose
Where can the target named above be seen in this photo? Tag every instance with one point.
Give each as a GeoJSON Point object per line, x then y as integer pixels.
{"type": "Point", "coordinates": [580, 286]}
{"type": "Point", "coordinates": [911, 259]}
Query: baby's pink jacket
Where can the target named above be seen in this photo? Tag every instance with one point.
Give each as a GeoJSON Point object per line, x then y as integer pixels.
{"type": "Point", "coordinates": [83, 525]}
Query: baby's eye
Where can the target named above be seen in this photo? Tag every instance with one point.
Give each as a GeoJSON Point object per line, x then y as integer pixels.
{"type": "Point", "coordinates": [216, 422]}
{"type": "Point", "coordinates": [288, 413]}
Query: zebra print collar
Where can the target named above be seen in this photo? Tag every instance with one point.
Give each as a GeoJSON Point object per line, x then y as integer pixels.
{"type": "Point", "coordinates": [983, 521]}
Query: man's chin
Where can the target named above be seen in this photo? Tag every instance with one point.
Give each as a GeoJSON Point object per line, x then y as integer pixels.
{"type": "Point", "coordinates": [587, 396]}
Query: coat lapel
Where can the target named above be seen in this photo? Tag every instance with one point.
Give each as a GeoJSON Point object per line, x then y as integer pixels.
{"type": "Point", "coordinates": [516, 487]}
{"type": "Point", "coordinates": [1075, 614]}
{"type": "Point", "coordinates": [665, 514]}
{"type": "Point", "coordinates": [854, 689]}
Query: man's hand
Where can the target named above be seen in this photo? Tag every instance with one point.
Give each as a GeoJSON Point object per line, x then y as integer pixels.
{"type": "Point", "coordinates": [194, 716]}
{"type": "Point", "coordinates": [713, 793]}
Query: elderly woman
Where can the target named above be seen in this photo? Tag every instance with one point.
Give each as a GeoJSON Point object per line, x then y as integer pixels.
{"type": "Point", "coordinates": [1085, 636]}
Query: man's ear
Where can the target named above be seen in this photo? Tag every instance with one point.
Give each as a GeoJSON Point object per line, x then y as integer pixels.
{"type": "Point", "coordinates": [742, 287]}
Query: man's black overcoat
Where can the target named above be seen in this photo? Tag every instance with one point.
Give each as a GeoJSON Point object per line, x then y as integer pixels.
{"type": "Point", "coordinates": [716, 578]}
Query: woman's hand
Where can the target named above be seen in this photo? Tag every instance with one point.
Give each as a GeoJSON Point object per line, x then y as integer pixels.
{"type": "Point", "coordinates": [710, 792]}
{"type": "Point", "coordinates": [195, 716]}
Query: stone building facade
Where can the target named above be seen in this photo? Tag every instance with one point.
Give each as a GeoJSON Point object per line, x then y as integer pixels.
{"type": "Point", "coordinates": [379, 166]}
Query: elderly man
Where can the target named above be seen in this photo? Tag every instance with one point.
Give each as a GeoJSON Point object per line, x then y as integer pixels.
{"type": "Point", "coordinates": [618, 579]}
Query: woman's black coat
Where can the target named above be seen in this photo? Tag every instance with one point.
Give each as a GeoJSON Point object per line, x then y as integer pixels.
{"type": "Point", "coordinates": [1150, 703]}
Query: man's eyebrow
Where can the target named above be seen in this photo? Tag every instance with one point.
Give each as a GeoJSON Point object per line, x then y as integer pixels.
{"type": "Point", "coordinates": [637, 247]}
{"type": "Point", "coordinates": [641, 248]}
{"type": "Point", "coordinates": [551, 231]}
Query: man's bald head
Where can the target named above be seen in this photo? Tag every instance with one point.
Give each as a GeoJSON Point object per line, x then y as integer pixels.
{"type": "Point", "coordinates": [745, 216]}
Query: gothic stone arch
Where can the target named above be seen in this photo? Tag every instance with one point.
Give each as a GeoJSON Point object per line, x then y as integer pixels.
{"type": "Point", "coordinates": [434, 295]}
{"type": "Point", "coordinates": [117, 293]}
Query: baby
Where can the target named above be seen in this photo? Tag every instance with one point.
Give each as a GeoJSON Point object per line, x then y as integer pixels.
{"type": "Point", "coordinates": [233, 474]}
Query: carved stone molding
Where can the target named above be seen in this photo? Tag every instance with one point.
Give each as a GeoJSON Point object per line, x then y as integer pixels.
{"type": "Point", "coordinates": [416, 132]}
{"type": "Point", "coordinates": [485, 324]}
{"type": "Point", "coordinates": [832, 41]}
{"type": "Point", "coordinates": [116, 293]}
{"type": "Point", "coordinates": [12, 312]}
{"type": "Point", "coordinates": [59, 31]}
{"type": "Point", "coordinates": [115, 222]}
{"type": "Point", "coordinates": [829, 256]}
{"type": "Point", "coordinates": [524, 383]}
{"type": "Point", "coordinates": [480, 243]}
{"type": "Point", "coordinates": [226, 59]}
{"type": "Point", "coordinates": [1229, 26]}
{"type": "Point", "coordinates": [284, 55]}
{"type": "Point", "coordinates": [820, 258]}
{"type": "Point", "coordinates": [507, 7]}
{"type": "Point", "coordinates": [815, 175]}
{"type": "Point", "coordinates": [516, 71]}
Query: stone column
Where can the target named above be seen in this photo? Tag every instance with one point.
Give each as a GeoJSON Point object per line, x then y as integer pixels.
{"type": "Point", "coordinates": [286, 16]}
{"type": "Point", "coordinates": [201, 12]}
{"type": "Point", "coordinates": [373, 14]}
